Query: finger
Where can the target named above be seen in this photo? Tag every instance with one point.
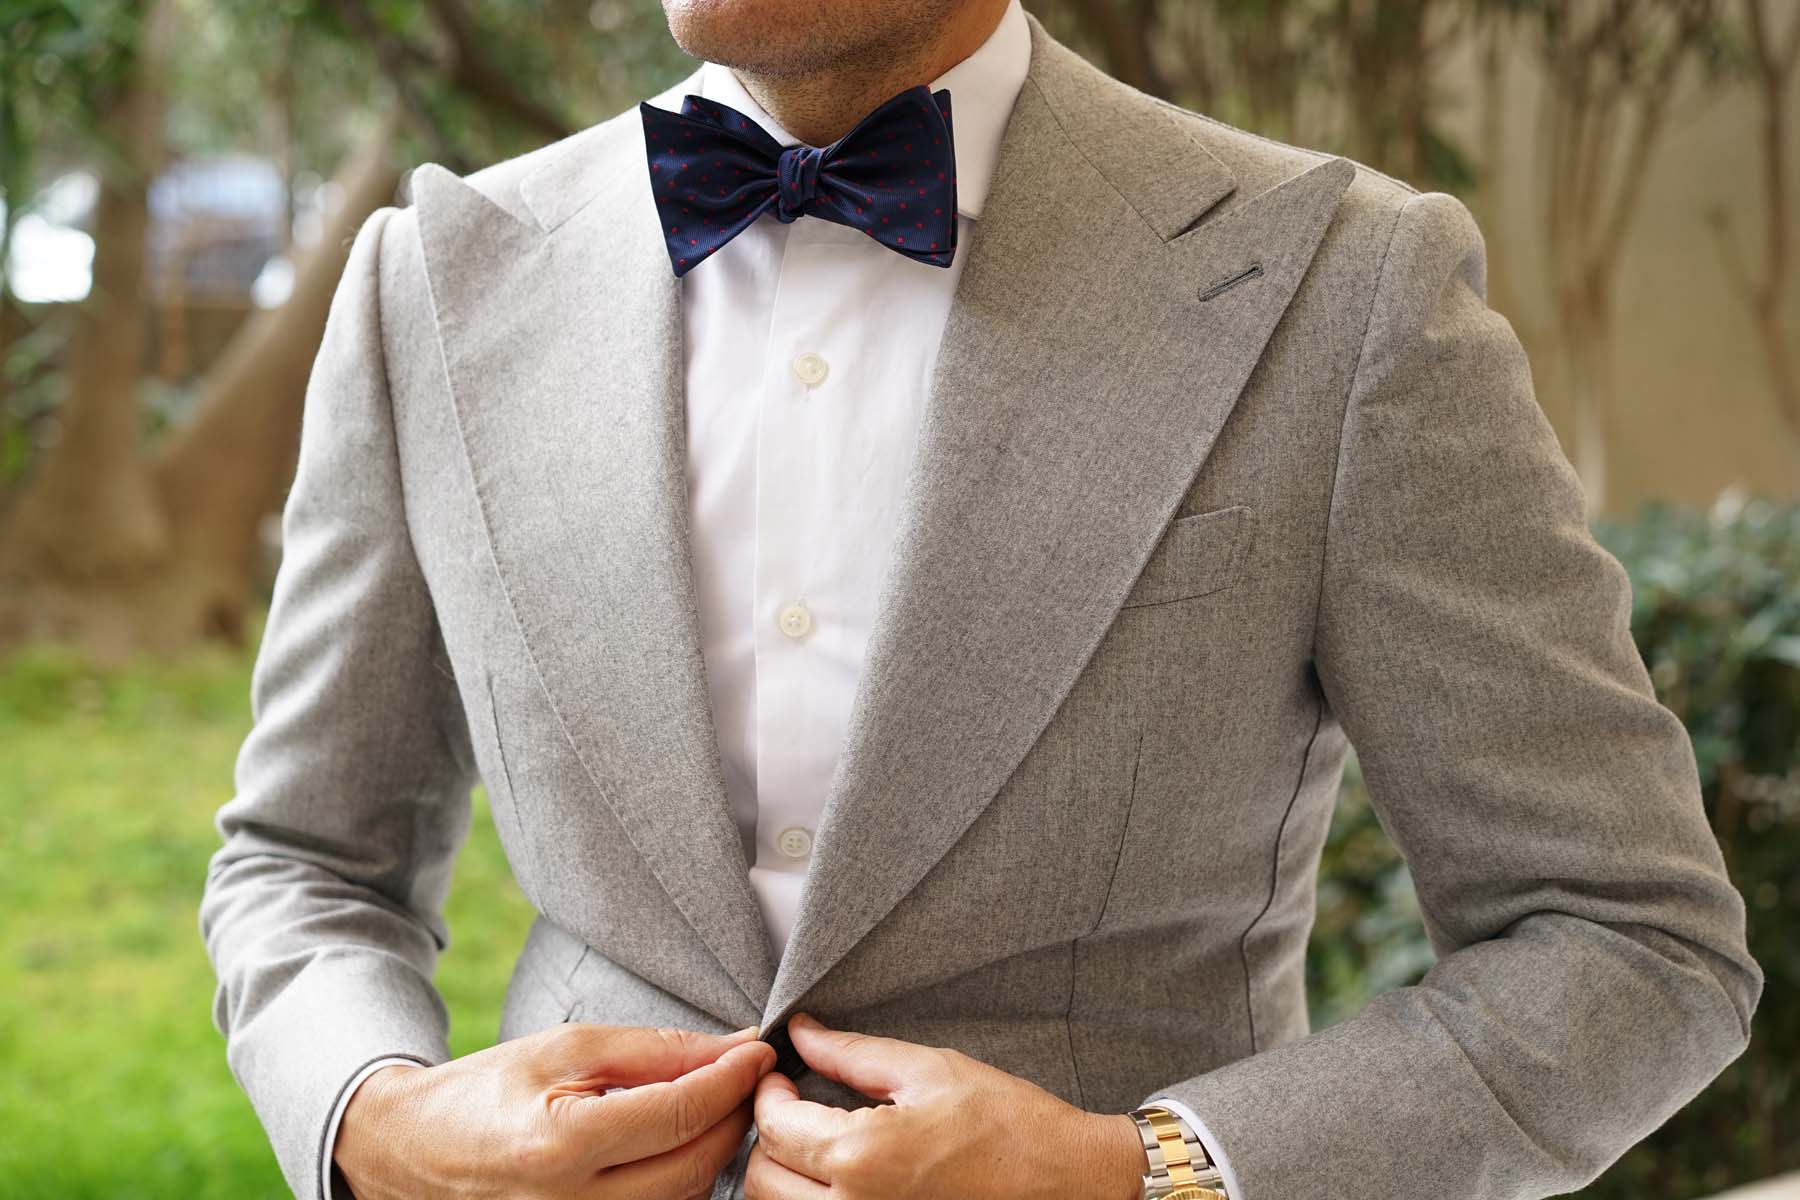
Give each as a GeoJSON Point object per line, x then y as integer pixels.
{"type": "Point", "coordinates": [635, 1123]}
{"type": "Point", "coordinates": [879, 1067]}
{"type": "Point", "coordinates": [626, 1055]}
{"type": "Point", "coordinates": [796, 1133]}
{"type": "Point", "coordinates": [679, 1173]}
{"type": "Point", "coordinates": [766, 1179]}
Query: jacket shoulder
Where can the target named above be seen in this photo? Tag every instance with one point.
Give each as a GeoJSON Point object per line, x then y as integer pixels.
{"type": "Point", "coordinates": [1260, 162]}
{"type": "Point", "coordinates": [1370, 204]}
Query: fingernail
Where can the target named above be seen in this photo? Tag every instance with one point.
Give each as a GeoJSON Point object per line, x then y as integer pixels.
{"type": "Point", "coordinates": [750, 1029]}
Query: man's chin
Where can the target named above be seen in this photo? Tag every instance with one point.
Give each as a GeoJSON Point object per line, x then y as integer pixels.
{"type": "Point", "coordinates": [775, 38]}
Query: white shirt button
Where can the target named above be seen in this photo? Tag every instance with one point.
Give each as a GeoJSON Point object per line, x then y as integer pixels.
{"type": "Point", "coordinates": [810, 368]}
{"type": "Point", "coordinates": [794, 841]}
{"type": "Point", "coordinates": [795, 620]}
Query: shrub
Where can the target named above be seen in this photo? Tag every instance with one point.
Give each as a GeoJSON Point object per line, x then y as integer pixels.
{"type": "Point", "coordinates": [1716, 615]}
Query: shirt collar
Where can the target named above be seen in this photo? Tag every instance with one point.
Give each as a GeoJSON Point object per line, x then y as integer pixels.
{"type": "Point", "coordinates": [983, 88]}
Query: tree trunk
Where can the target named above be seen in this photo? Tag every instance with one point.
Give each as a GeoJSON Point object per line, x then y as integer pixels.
{"type": "Point", "coordinates": [1584, 309]}
{"type": "Point", "coordinates": [208, 487]}
{"type": "Point", "coordinates": [229, 465]}
{"type": "Point", "coordinates": [90, 511]}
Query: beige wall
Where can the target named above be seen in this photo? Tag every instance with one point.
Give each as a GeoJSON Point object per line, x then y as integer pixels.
{"type": "Point", "coordinates": [1696, 409]}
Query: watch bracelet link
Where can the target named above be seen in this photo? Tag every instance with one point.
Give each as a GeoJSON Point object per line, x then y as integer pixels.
{"type": "Point", "coordinates": [1180, 1168]}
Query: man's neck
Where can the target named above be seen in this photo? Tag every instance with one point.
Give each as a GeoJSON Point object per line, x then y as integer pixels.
{"type": "Point", "coordinates": [822, 106]}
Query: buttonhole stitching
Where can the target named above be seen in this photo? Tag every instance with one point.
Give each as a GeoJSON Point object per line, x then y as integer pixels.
{"type": "Point", "coordinates": [1249, 272]}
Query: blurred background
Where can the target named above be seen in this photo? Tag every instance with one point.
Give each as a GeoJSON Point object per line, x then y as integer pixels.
{"type": "Point", "coordinates": [180, 180]}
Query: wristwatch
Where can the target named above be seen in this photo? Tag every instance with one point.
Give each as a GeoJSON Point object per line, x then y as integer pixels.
{"type": "Point", "coordinates": [1179, 1166]}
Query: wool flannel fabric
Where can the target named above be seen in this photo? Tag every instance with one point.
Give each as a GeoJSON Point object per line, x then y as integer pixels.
{"type": "Point", "coordinates": [713, 171]}
{"type": "Point", "coordinates": [1172, 554]}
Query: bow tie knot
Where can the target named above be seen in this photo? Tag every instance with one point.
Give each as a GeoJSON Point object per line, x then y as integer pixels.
{"type": "Point", "coordinates": [799, 180]}
{"type": "Point", "coordinates": [893, 176]}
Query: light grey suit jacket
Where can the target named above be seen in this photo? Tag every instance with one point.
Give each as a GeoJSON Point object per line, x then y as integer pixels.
{"type": "Point", "coordinates": [1226, 465]}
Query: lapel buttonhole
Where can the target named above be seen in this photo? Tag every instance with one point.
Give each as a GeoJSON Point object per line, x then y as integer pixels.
{"type": "Point", "coordinates": [1249, 272]}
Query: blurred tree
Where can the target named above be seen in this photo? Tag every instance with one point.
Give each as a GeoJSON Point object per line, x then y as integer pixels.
{"type": "Point", "coordinates": [1774, 62]}
{"type": "Point", "coordinates": [1355, 77]}
{"type": "Point", "coordinates": [1612, 74]}
{"type": "Point", "coordinates": [92, 505]}
{"type": "Point", "coordinates": [121, 541]}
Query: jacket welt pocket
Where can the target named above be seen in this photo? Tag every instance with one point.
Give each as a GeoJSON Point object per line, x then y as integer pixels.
{"type": "Point", "coordinates": [1199, 553]}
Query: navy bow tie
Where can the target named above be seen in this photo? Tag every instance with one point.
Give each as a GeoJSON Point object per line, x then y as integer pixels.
{"type": "Point", "coordinates": [713, 171]}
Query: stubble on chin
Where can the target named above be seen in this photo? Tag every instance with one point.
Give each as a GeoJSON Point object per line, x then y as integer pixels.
{"type": "Point", "coordinates": [776, 39]}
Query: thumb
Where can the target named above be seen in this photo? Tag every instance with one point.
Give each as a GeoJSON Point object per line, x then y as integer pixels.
{"type": "Point", "coordinates": [629, 1055]}
{"type": "Point", "coordinates": [878, 1067]}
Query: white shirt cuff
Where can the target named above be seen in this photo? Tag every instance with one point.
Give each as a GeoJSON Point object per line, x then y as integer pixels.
{"type": "Point", "coordinates": [337, 1116]}
{"type": "Point", "coordinates": [1206, 1139]}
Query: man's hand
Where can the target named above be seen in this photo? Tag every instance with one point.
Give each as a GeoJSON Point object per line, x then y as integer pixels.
{"type": "Point", "coordinates": [531, 1117]}
{"type": "Point", "coordinates": [958, 1129]}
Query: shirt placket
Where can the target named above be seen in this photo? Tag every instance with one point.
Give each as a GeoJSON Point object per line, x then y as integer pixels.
{"type": "Point", "coordinates": [802, 691]}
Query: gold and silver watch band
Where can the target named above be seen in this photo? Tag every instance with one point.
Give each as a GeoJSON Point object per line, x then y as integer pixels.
{"type": "Point", "coordinates": [1179, 1166]}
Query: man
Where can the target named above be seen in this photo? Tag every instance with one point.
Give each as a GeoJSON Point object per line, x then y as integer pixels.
{"type": "Point", "coordinates": [936, 661]}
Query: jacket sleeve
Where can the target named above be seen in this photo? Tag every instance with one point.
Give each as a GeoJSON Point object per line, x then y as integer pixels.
{"type": "Point", "coordinates": [322, 909]}
{"type": "Point", "coordinates": [1473, 641]}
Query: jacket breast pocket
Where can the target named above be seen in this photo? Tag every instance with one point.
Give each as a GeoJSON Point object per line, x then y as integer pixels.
{"type": "Point", "coordinates": [1200, 553]}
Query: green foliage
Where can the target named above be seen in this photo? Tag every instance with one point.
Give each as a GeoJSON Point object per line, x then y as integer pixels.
{"type": "Point", "coordinates": [114, 1080]}
{"type": "Point", "coordinates": [1367, 937]}
{"type": "Point", "coordinates": [1716, 612]}
{"type": "Point", "coordinates": [61, 61]}
{"type": "Point", "coordinates": [1716, 615]}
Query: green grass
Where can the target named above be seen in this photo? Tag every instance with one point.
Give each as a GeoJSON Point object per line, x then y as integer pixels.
{"type": "Point", "coordinates": [113, 1080]}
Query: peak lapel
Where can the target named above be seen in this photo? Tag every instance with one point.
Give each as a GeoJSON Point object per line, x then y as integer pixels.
{"type": "Point", "coordinates": [562, 341]}
{"type": "Point", "coordinates": [1051, 456]}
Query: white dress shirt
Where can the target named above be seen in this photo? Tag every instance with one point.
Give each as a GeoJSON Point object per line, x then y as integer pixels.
{"type": "Point", "coordinates": [809, 350]}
